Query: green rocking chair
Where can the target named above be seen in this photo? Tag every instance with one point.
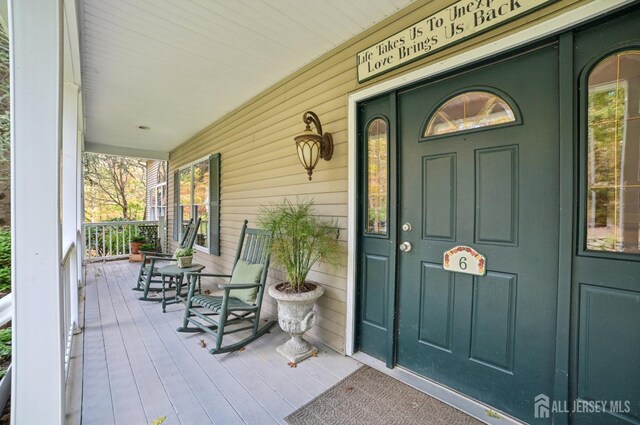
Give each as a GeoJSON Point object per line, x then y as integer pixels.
{"type": "Point", "coordinates": [149, 275]}
{"type": "Point", "coordinates": [242, 299]}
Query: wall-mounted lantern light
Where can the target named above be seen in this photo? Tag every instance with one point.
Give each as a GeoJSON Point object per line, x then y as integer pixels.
{"type": "Point", "coordinates": [312, 146]}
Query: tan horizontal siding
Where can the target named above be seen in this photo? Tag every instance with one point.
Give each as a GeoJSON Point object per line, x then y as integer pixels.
{"type": "Point", "coordinates": [259, 162]}
{"type": "Point", "coordinates": [152, 181]}
{"type": "Point", "coordinates": [152, 173]}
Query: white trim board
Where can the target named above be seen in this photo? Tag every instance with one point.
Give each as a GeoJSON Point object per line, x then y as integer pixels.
{"type": "Point", "coordinates": [91, 147]}
{"type": "Point", "coordinates": [540, 31]}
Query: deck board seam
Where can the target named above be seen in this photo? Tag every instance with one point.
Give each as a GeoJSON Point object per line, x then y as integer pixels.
{"type": "Point", "coordinates": [127, 349]}
{"type": "Point", "coordinates": [182, 342]}
{"type": "Point", "coordinates": [274, 387]}
{"type": "Point", "coordinates": [129, 298]}
{"type": "Point", "coordinates": [101, 334]}
{"type": "Point", "coordinates": [169, 351]}
{"type": "Point", "coordinates": [180, 378]}
{"type": "Point", "coordinates": [160, 338]}
{"type": "Point", "coordinates": [108, 295]}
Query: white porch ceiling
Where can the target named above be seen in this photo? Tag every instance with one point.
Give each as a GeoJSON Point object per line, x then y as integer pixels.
{"type": "Point", "coordinates": [178, 65]}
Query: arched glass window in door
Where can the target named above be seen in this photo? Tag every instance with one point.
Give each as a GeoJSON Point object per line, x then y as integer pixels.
{"type": "Point", "coordinates": [377, 177]}
{"type": "Point", "coordinates": [468, 111]}
{"type": "Point", "coordinates": [613, 154]}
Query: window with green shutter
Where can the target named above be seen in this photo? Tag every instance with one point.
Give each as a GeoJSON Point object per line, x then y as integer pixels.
{"type": "Point", "coordinates": [197, 194]}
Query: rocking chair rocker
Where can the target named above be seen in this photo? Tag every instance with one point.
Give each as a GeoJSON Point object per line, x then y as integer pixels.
{"type": "Point", "coordinates": [242, 298]}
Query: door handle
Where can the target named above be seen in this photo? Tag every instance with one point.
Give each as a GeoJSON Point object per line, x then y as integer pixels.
{"type": "Point", "coordinates": [405, 247]}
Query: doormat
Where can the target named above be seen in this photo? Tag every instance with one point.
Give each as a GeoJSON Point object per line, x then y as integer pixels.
{"type": "Point", "coordinates": [371, 397]}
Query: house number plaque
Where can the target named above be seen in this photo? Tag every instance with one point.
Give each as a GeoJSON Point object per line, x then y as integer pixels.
{"type": "Point", "coordinates": [464, 259]}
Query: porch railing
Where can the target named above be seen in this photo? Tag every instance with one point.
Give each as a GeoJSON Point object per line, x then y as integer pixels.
{"type": "Point", "coordinates": [69, 279]}
{"type": "Point", "coordinates": [110, 239]}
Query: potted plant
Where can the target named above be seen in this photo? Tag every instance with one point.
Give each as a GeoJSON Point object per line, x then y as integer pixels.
{"type": "Point", "coordinates": [135, 242]}
{"type": "Point", "coordinates": [184, 257]}
{"type": "Point", "coordinates": [148, 247]}
{"type": "Point", "coordinates": [300, 239]}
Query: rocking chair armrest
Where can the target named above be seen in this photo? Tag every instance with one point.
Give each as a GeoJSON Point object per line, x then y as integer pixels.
{"type": "Point", "coordinates": [156, 254]}
{"type": "Point", "coordinates": [232, 286]}
{"type": "Point", "coordinates": [187, 274]}
{"type": "Point", "coordinates": [155, 257]}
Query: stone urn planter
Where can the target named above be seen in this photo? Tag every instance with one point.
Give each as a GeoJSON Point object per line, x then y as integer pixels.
{"type": "Point", "coordinates": [299, 240]}
{"type": "Point", "coordinates": [295, 317]}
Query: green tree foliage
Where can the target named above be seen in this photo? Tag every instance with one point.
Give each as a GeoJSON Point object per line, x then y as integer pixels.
{"type": "Point", "coordinates": [5, 342]}
{"type": "Point", "coordinates": [5, 134]}
{"type": "Point", "coordinates": [5, 145]}
{"type": "Point", "coordinates": [606, 134]}
{"type": "Point", "coordinates": [115, 187]}
{"type": "Point", "coordinates": [5, 348]}
{"type": "Point", "coordinates": [5, 261]}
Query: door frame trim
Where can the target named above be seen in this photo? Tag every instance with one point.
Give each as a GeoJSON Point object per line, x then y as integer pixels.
{"type": "Point", "coordinates": [539, 31]}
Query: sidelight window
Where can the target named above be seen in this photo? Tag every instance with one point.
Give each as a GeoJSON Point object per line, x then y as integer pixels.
{"type": "Point", "coordinates": [377, 177]}
{"type": "Point", "coordinates": [613, 154]}
{"type": "Point", "coordinates": [468, 111]}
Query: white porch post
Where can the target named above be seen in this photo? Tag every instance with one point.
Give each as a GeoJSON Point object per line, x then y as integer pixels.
{"type": "Point", "coordinates": [80, 242]}
{"type": "Point", "coordinates": [35, 33]}
{"type": "Point", "coordinates": [70, 178]}
{"type": "Point", "coordinates": [79, 201]}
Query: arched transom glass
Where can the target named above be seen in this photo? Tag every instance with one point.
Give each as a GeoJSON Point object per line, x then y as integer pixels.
{"type": "Point", "coordinates": [613, 154]}
{"type": "Point", "coordinates": [468, 111]}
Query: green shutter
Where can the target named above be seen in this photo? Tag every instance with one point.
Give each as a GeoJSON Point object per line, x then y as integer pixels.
{"type": "Point", "coordinates": [176, 206]}
{"type": "Point", "coordinates": [214, 204]}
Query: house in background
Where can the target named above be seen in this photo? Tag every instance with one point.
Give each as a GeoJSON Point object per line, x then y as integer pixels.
{"type": "Point", "coordinates": [483, 171]}
{"type": "Point", "coordinates": [156, 189]}
{"type": "Point", "coordinates": [157, 198]}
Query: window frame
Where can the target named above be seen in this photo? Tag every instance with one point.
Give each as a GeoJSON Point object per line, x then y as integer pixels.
{"type": "Point", "coordinates": [159, 206]}
{"type": "Point", "coordinates": [491, 90]}
{"type": "Point", "coordinates": [213, 205]}
{"type": "Point", "coordinates": [179, 216]}
{"type": "Point", "coordinates": [152, 193]}
{"type": "Point", "coordinates": [583, 117]}
{"type": "Point", "coordinates": [151, 204]}
{"type": "Point", "coordinates": [365, 207]}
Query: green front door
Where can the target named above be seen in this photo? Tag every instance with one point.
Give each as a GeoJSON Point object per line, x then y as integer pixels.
{"type": "Point", "coordinates": [478, 167]}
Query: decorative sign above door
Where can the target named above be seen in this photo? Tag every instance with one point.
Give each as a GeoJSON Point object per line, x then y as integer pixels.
{"type": "Point", "coordinates": [461, 20]}
{"type": "Point", "coordinates": [464, 259]}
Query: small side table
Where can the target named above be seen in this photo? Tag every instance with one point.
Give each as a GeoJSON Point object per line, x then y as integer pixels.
{"type": "Point", "coordinates": [175, 273]}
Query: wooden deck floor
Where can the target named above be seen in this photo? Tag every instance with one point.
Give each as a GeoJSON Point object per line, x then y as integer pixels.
{"type": "Point", "coordinates": [130, 366]}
